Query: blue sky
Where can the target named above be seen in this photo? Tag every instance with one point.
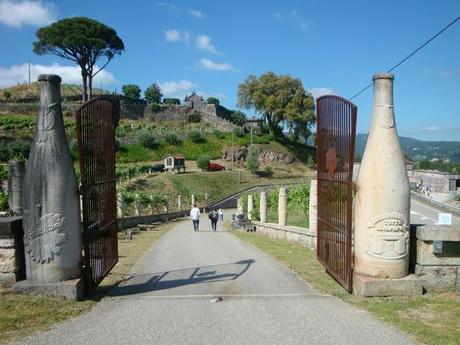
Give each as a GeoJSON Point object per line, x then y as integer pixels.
{"type": "Point", "coordinates": [212, 46]}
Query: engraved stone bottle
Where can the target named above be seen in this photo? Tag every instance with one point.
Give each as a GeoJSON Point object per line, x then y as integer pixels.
{"type": "Point", "coordinates": [382, 202]}
{"type": "Point", "coordinates": [52, 235]}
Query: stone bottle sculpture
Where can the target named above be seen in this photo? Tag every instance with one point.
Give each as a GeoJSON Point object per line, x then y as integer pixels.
{"type": "Point", "coordinates": [52, 235]}
{"type": "Point", "coordinates": [16, 170]}
{"type": "Point", "coordinates": [382, 202]}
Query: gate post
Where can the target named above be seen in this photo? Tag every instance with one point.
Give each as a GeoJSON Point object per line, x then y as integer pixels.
{"type": "Point", "coordinates": [250, 206]}
{"type": "Point", "coordinates": [282, 206]}
{"type": "Point", "coordinates": [313, 206]}
{"type": "Point", "coordinates": [16, 171]}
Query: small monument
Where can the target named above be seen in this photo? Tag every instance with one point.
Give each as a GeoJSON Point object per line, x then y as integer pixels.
{"type": "Point", "coordinates": [52, 234]}
{"type": "Point", "coordinates": [121, 206]}
{"type": "Point", "coordinates": [16, 171]}
{"type": "Point", "coordinates": [250, 206]}
{"type": "Point", "coordinates": [382, 203]}
{"type": "Point", "coordinates": [313, 206]}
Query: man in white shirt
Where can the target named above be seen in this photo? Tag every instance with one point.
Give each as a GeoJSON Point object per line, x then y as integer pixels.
{"type": "Point", "coordinates": [195, 217]}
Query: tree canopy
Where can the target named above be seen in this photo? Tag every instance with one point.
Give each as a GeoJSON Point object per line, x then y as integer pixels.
{"type": "Point", "coordinates": [131, 91]}
{"type": "Point", "coordinates": [213, 100]}
{"type": "Point", "coordinates": [280, 99]}
{"type": "Point", "coordinates": [83, 41]}
{"type": "Point", "coordinates": [153, 94]}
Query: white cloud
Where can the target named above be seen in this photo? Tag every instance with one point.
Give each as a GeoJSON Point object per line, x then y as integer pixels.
{"type": "Point", "coordinates": [70, 74]}
{"type": "Point", "coordinates": [177, 88]}
{"type": "Point", "coordinates": [177, 36]}
{"type": "Point", "coordinates": [321, 91]}
{"type": "Point", "coordinates": [203, 42]}
{"type": "Point", "coordinates": [196, 13]}
{"type": "Point", "coordinates": [19, 13]}
{"type": "Point", "coordinates": [214, 66]}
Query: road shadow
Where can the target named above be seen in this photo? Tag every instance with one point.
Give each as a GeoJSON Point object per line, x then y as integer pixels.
{"type": "Point", "coordinates": [150, 282]}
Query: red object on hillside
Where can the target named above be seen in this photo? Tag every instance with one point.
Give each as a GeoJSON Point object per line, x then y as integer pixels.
{"type": "Point", "coordinates": [215, 167]}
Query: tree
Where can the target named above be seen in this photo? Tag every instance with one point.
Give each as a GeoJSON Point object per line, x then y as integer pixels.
{"type": "Point", "coordinates": [238, 118]}
{"type": "Point", "coordinates": [153, 94]}
{"type": "Point", "coordinates": [7, 95]}
{"type": "Point", "coordinates": [252, 161]}
{"type": "Point", "coordinates": [171, 101]}
{"type": "Point", "coordinates": [280, 99]}
{"type": "Point", "coordinates": [131, 91]}
{"type": "Point", "coordinates": [83, 41]}
{"type": "Point", "coordinates": [203, 161]}
{"type": "Point", "coordinates": [213, 100]}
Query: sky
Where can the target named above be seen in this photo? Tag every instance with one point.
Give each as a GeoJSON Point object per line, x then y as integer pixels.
{"type": "Point", "coordinates": [210, 47]}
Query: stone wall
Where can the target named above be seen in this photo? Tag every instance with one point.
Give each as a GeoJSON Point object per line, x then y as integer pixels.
{"type": "Point", "coordinates": [437, 256]}
{"type": "Point", "coordinates": [303, 236]}
{"type": "Point", "coordinates": [12, 264]}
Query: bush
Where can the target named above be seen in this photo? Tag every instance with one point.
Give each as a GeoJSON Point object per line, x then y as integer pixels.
{"type": "Point", "coordinates": [171, 101]}
{"type": "Point", "coordinates": [218, 134]}
{"type": "Point", "coordinates": [147, 139]}
{"type": "Point", "coordinates": [238, 132]}
{"type": "Point", "coordinates": [4, 153]}
{"type": "Point", "coordinates": [195, 136]}
{"type": "Point", "coordinates": [252, 162]}
{"type": "Point", "coordinates": [311, 162]}
{"type": "Point", "coordinates": [19, 149]}
{"type": "Point", "coordinates": [203, 161]}
{"type": "Point", "coordinates": [213, 100]}
{"type": "Point", "coordinates": [3, 201]}
{"type": "Point", "coordinates": [268, 172]}
{"type": "Point", "coordinates": [456, 196]}
{"type": "Point", "coordinates": [194, 117]}
{"type": "Point", "coordinates": [154, 107]}
{"type": "Point", "coordinates": [238, 118]}
{"type": "Point", "coordinates": [171, 138]}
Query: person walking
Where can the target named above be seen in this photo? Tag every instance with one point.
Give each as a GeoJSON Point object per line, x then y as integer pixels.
{"type": "Point", "coordinates": [214, 217]}
{"type": "Point", "coordinates": [195, 217]}
{"type": "Point", "coordinates": [221, 214]}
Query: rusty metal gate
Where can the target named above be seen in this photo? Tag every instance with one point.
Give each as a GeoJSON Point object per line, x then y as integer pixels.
{"type": "Point", "coordinates": [336, 128]}
{"type": "Point", "coordinates": [96, 120]}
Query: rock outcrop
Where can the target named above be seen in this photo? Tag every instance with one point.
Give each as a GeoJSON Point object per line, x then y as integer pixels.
{"type": "Point", "coordinates": [240, 154]}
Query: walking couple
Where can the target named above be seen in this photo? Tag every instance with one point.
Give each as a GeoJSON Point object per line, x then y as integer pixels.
{"type": "Point", "coordinates": [214, 216]}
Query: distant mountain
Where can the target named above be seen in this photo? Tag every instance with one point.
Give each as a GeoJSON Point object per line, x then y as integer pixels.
{"type": "Point", "coordinates": [418, 149]}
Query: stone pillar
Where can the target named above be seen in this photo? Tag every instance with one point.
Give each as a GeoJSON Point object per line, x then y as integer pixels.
{"type": "Point", "coordinates": [313, 206]}
{"type": "Point", "coordinates": [263, 207]}
{"type": "Point", "coordinates": [179, 202]}
{"type": "Point", "coordinates": [138, 209]}
{"type": "Point", "coordinates": [193, 200]}
{"type": "Point", "coordinates": [282, 206]}
{"type": "Point", "coordinates": [382, 202]}
{"type": "Point", "coordinates": [16, 170]}
{"type": "Point", "coordinates": [121, 206]}
{"type": "Point", "coordinates": [250, 206]}
{"type": "Point", "coordinates": [239, 206]}
{"type": "Point", "coordinates": [52, 234]}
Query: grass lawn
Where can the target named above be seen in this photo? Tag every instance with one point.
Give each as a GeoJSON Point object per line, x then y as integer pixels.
{"type": "Point", "coordinates": [23, 315]}
{"type": "Point", "coordinates": [429, 319]}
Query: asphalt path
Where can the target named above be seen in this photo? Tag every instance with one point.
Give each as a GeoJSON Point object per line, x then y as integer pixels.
{"type": "Point", "coordinates": [212, 288]}
{"type": "Point", "coordinates": [422, 213]}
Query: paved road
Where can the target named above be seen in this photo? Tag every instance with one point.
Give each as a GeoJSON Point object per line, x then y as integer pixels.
{"type": "Point", "coordinates": [422, 213]}
{"type": "Point", "coordinates": [171, 299]}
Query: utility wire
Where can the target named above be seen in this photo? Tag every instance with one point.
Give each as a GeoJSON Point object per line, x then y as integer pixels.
{"type": "Point", "coordinates": [410, 55]}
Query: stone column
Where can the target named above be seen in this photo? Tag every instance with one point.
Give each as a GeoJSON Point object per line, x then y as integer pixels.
{"type": "Point", "coordinates": [16, 170]}
{"type": "Point", "coordinates": [282, 206]}
{"type": "Point", "coordinates": [381, 238]}
{"type": "Point", "coordinates": [121, 206]}
{"type": "Point", "coordinates": [179, 202]}
{"type": "Point", "coordinates": [263, 207]}
{"type": "Point", "coordinates": [137, 206]}
{"type": "Point", "coordinates": [52, 234]}
{"type": "Point", "coordinates": [250, 206]}
{"type": "Point", "coordinates": [193, 200]}
{"type": "Point", "coordinates": [239, 206]}
{"type": "Point", "coordinates": [313, 206]}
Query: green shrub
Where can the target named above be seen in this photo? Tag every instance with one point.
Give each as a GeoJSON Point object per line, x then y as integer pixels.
{"type": "Point", "coordinates": [268, 171]}
{"type": "Point", "coordinates": [73, 147]}
{"type": "Point", "coordinates": [238, 132]}
{"type": "Point", "coordinates": [218, 134]}
{"type": "Point", "coordinates": [195, 136]}
{"type": "Point", "coordinates": [3, 172]}
{"type": "Point", "coordinates": [147, 139]}
{"type": "Point", "coordinates": [19, 149]}
{"type": "Point", "coordinates": [171, 101]}
{"type": "Point", "coordinates": [311, 162]}
{"type": "Point", "coordinates": [3, 201]}
{"type": "Point", "coordinates": [4, 153]}
{"type": "Point", "coordinates": [154, 107]}
{"type": "Point", "coordinates": [238, 118]}
{"type": "Point", "coordinates": [171, 138]}
{"type": "Point", "coordinates": [203, 161]}
{"type": "Point", "coordinates": [194, 117]}
{"type": "Point", "coordinates": [252, 161]}
{"type": "Point", "coordinates": [456, 196]}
